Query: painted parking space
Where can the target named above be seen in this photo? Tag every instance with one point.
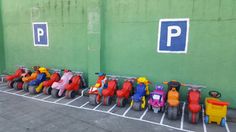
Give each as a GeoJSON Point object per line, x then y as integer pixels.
{"type": "Point", "coordinates": [81, 102]}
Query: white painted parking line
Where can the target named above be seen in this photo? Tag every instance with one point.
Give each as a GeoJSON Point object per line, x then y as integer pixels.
{"type": "Point", "coordinates": [60, 99]}
{"type": "Point", "coordinates": [112, 108]}
{"type": "Point", "coordinates": [26, 94]}
{"type": "Point", "coordinates": [74, 100]}
{"type": "Point", "coordinates": [182, 118]}
{"type": "Point", "coordinates": [9, 90]}
{"type": "Point", "coordinates": [126, 111]}
{"type": "Point", "coordinates": [82, 93]}
{"type": "Point", "coordinates": [3, 84]}
{"type": "Point", "coordinates": [17, 92]}
{"type": "Point", "coordinates": [38, 95]}
{"type": "Point", "coordinates": [162, 118]}
{"type": "Point", "coordinates": [97, 106]}
{"type": "Point", "coordinates": [203, 122]}
{"type": "Point", "coordinates": [144, 113]}
{"type": "Point", "coordinates": [46, 97]}
{"type": "Point", "coordinates": [226, 126]}
{"type": "Point", "coordinates": [81, 107]}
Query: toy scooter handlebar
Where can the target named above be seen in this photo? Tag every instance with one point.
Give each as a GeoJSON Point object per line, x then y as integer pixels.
{"type": "Point", "coordinates": [194, 86]}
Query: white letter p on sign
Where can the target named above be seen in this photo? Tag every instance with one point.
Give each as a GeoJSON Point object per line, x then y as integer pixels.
{"type": "Point", "coordinates": [171, 34]}
{"type": "Point", "coordinates": [40, 33]}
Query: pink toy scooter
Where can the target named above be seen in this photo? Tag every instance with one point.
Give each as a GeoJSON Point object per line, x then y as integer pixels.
{"type": "Point", "coordinates": [157, 100]}
{"type": "Point", "coordinates": [58, 88]}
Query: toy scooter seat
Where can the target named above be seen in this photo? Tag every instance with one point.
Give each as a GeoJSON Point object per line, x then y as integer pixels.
{"type": "Point", "coordinates": [15, 75]}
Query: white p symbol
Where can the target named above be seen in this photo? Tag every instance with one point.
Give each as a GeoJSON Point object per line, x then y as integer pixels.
{"type": "Point", "coordinates": [170, 34]}
{"type": "Point", "coordinates": [40, 33]}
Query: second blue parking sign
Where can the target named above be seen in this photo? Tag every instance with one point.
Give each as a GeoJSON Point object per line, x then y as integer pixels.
{"type": "Point", "coordinates": [173, 36]}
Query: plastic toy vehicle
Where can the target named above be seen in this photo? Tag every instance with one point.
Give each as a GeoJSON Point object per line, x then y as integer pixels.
{"type": "Point", "coordinates": [74, 85]}
{"type": "Point", "coordinates": [27, 79]}
{"type": "Point", "coordinates": [55, 77]}
{"type": "Point", "coordinates": [123, 94]}
{"type": "Point", "coordinates": [139, 98]}
{"type": "Point", "coordinates": [58, 88]}
{"type": "Point", "coordinates": [194, 98]}
{"type": "Point", "coordinates": [36, 86]}
{"type": "Point", "coordinates": [216, 110]}
{"type": "Point", "coordinates": [109, 91]}
{"type": "Point", "coordinates": [18, 82]}
{"type": "Point", "coordinates": [95, 92]}
{"type": "Point", "coordinates": [17, 74]}
{"type": "Point", "coordinates": [173, 107]}
{"type": "Point", "coordinates": [157, 99]}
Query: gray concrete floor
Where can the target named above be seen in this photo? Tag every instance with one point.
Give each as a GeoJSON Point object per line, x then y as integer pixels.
{"type": "Point", "coordinates": [22, 112]}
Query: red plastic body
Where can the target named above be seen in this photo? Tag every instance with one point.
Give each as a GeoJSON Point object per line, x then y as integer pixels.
{"type": "Point", "coordinates": [75, 83]}
{"type": "Point", "coordinates": [194, 97]}
{"type": "Point", "coordinates": [15, 75]}
{"type": "Point", "coordinates": [111, 88]}
{"type": "Point", "coordinates": [55, 77]}
{"type": "Point", "coordinates": [125, 91]}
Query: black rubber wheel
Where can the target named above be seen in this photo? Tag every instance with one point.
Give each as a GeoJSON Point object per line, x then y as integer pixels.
{"type": "Point", "coordinates": [120, 102]}
{"type": "Point", "coordinates": [169, 112]}
{"type": "Point", "coordinates": [15, 86]}
{"type": "Point", "coordinates": [107, 100]}
{"type": "Point", "coordinates": [26, 87]}
{"type": "Point", "coordinates": [70, 94]}
{"type": "Point", "coordinates": [175, 113]}
{"type": "Point", "coordinates": [93, 99]}
{"type": "Point", "coordinates": [149, 107]}
{"type": "Point", "coordinates": [137, 106]}
{"type": "Point", "coordinates": [47, 90]}
{"type": "Point", "coordinates": [32, 89]}
{"type": "Point", "coordinates": [10, 84]}
{"type": "Point", "coordinates": [54, 93]}
{"type": "Point", "coordinates": [193, 117]}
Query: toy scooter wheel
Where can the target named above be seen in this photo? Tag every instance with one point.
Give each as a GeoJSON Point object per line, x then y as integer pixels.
{"type": "Point", "coordinates": [223, 122]}
{"type": "Point", "coordinates": [172, 113]}
{"type": "Point", "coordinates": [70, 94]}
{"type": "Point", "coordinates": [47, 90]}
{"type": "Point", "coordinates": [137, 106]}
{"type": "Point", "coordinates": [120, 102]}
{"type": "Point", "coordinates": [206, 119]}
{"type": "Point", "coordinates": [32, 90]}
{"type": "Point", "coordinates": [106, 100]}
{"type": "Point", "coordinates": [193, 117]}
{"type": "Point", "coordinates": [15, 85]}
{"type": "Point", "coordinates": [10, 84]}
{"type": "Point", "coordinates": [25, 87]}
{"type": "Point", "coordinates": [54, 93]}
{"type": "Point", "coordinates": [149, 107]}
{"type": "Point", "coordinates": [93, 99]}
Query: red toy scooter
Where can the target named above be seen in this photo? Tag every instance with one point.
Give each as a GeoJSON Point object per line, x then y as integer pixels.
{"type": "Point", "coordinates": [10, 78]}
{"type": "Point", "coordinates": [123, 94]}
{"type": "Point", "coordinates": [194, 98]}
{"type": "Point", "coordinates": [109, 92]}
{"type": "Point", "coordinates": [74, 85]}
{"type": "Point", "coordinates": [95, 92]}
{"type": "Point", "coordinates": [55, 77]}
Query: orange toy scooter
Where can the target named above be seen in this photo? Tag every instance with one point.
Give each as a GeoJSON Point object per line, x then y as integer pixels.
{"type": "Point", "coordinates": [27, 79]}
{"type": "Point", "coordinates": [173, 107]}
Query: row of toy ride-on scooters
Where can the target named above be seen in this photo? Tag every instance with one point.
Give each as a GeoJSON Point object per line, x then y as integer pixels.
{"type": "Point", "coordinates": [41, 80]}
{"type": "Point", "coordinates": [158, 100]}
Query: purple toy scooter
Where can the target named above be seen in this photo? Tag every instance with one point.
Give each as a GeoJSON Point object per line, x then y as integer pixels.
{"type": "Point", "coordinates": [157, 99]}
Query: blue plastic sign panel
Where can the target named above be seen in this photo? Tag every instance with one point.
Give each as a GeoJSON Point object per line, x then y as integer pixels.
{"type": "Point", "coordinates": [40, 34]}
{"type": "Point", "coordinates": [173, 35]}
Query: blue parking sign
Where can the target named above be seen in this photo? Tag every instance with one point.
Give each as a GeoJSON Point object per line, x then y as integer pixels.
{"type": "Point", "coordinates": [40, 34]}
{"type": "Point", "coordinates": [173, 36]}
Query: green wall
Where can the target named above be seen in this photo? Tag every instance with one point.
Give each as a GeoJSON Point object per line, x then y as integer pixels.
{"type": "Point", "coordinates": [2, 58]}
{"type": "Point", "coordinates": [120, 37]}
